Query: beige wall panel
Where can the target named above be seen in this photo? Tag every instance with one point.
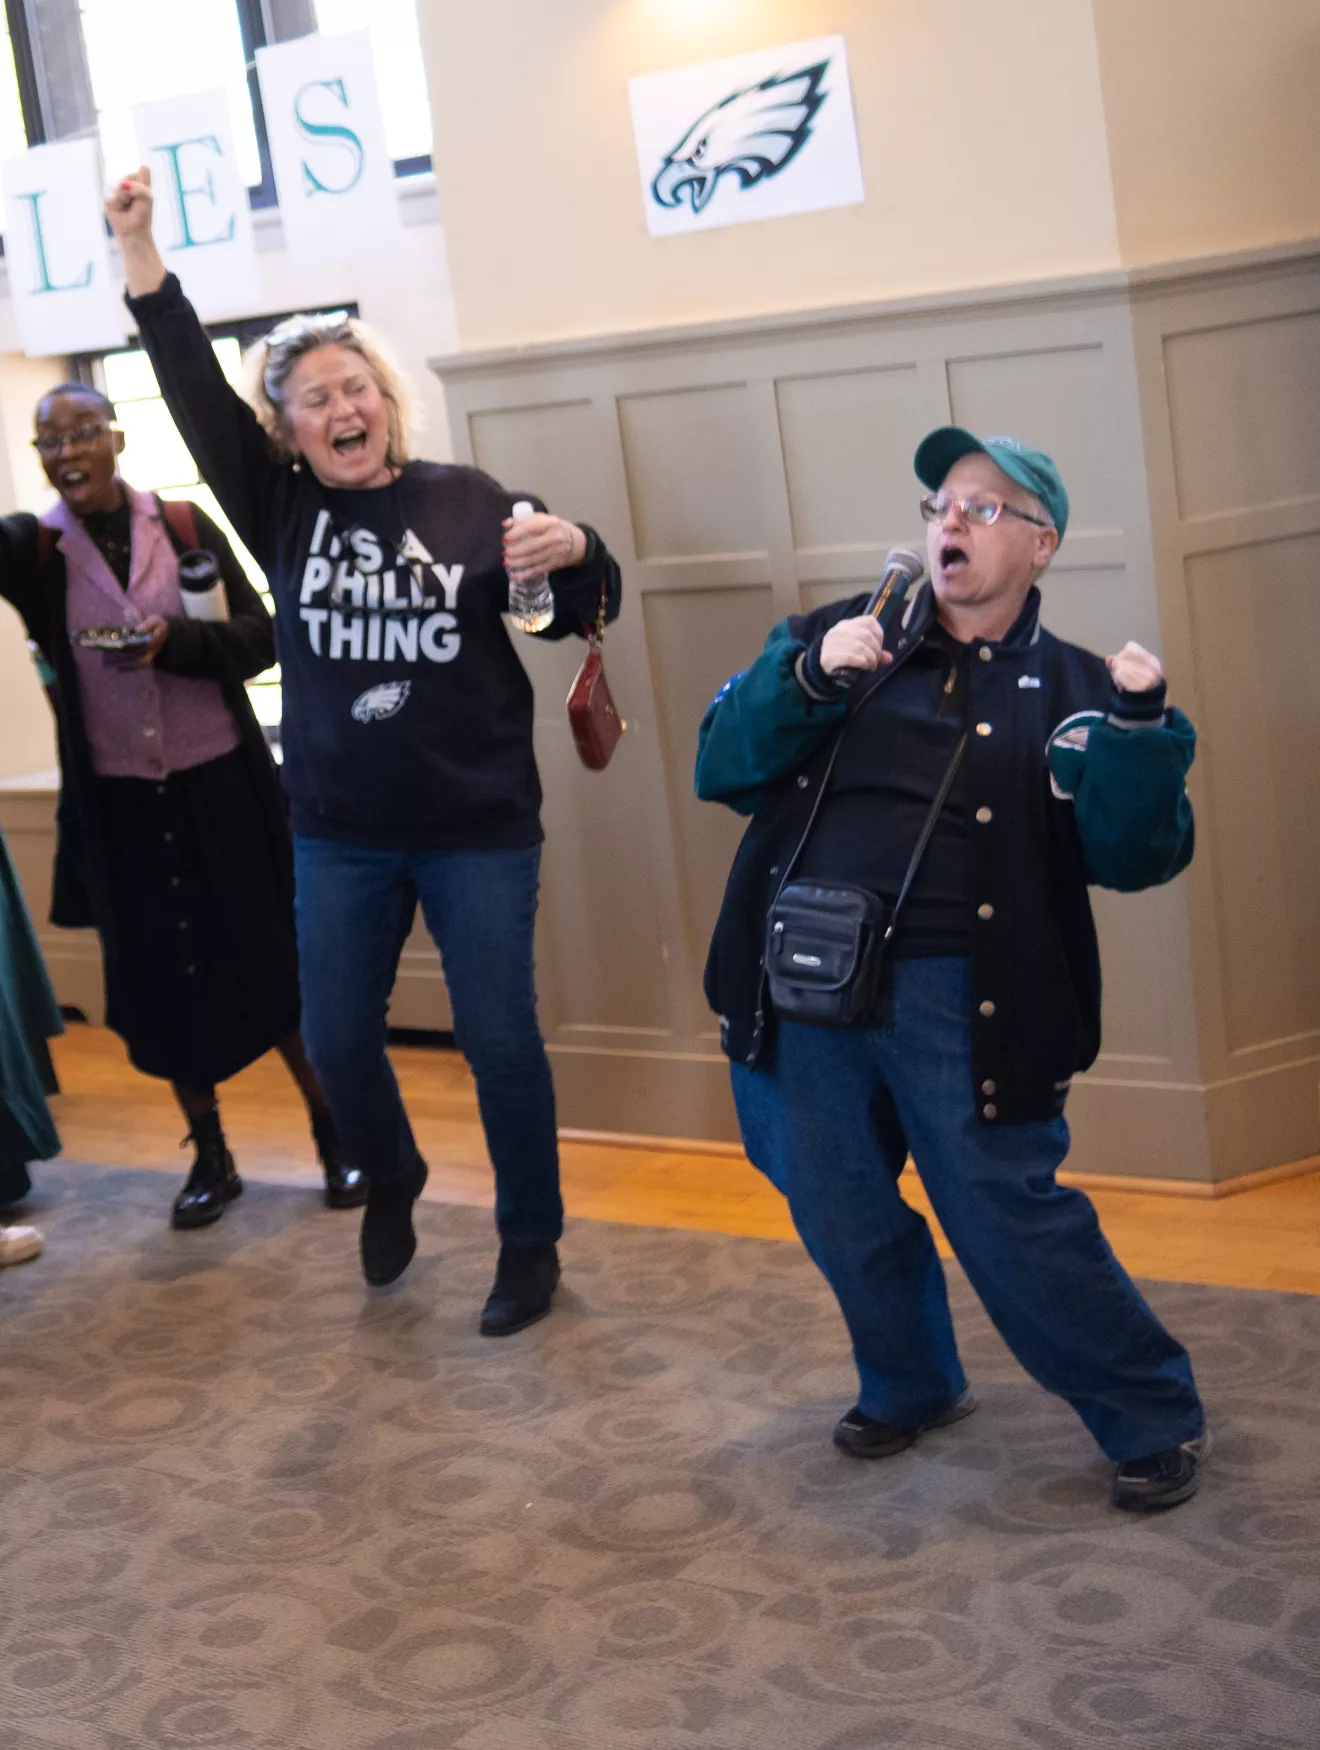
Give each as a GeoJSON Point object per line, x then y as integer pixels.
{"type": "Point", "coordinates": [820, 595]}
{"type": "Point", "coordinates": [73, 957]}
{"type": "Point", "coordinates": [692, 480]}
{"type": "Point", "coordinates": [1134, 931]}
{"type": "Point", "coordinates": [600, 939]}
{"type": "Point", "coordinates": [1256, 636]}
{"type": "Point", "coordinates": [644, 1093]}
{"type": "Point", "coordinates": [1268, 451]}
{"type": "Point", "coordinates": [1212, 985]}
{"type": "Point", "coordinates": [550, 450]}
{"type": "Point", "coordinates": [1130, 1127]}
{"type": "Point", "coordinates": [1057, 401]}
{"type": "Point", "coordinates": [1099, 608]}
{"type": "Point", "coordinates": [695, 641]}
{"type": "Point", "coordinates": [848, 441]}
{"type": "Point", "coordinates": [1213, 124]}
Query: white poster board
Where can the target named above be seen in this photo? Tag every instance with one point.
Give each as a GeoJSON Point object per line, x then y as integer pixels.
{"type": "Point", "coordinates": [327, 143]}
{"type": "Point", "coordinates": [757, 136]}
{"type": "Point", "coordinates": [57, 251]}
{"type": "Point", "coordinates": [203, 225]}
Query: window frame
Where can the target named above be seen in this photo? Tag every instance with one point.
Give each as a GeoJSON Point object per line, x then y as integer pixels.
{"type": "Point", "coordinates": [253, 24]}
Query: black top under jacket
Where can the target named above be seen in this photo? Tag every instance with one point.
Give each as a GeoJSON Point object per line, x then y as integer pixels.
{"type": "Point", "coordinates": [887, 775]}
{"type": "Point", "coordinates": [407, 714]}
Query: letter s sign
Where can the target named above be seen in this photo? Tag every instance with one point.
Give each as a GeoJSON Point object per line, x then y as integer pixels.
{"type": "Point", "coordinates": [331, 134]}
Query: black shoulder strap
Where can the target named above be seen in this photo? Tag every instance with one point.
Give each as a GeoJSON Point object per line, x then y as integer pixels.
{"type": "Point", "coordinates": [928, 827]}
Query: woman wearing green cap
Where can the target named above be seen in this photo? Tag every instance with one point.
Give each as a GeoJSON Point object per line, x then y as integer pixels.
{"type": "Point", "coordinates": [906, 961]}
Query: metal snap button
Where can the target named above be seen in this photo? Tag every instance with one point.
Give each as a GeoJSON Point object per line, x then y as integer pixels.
{"type": "Point", "coordinates": [984, 816]}
{"type": "Point", "coordinates": [803, 781]}
{"type": "Point", "coordinates": [989, 1087]}
{"type": "Point", "coordinates": [984, 653]}
{"type": "Point", "coordinates": [987, 1009]}
{"type": "Point", "coordinates": [990, 1110]}
{"type": "Point", "coordinates": [984, 729]}
{"type": "Point", "coordinates": [985, 913]}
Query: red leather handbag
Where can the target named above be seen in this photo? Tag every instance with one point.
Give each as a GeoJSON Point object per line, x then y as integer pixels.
{"type": "Point", "coordinates": [592, 714]}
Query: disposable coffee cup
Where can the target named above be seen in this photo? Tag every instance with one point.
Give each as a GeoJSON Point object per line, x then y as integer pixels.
{"type": "Point", "coordinates": [202, 587]}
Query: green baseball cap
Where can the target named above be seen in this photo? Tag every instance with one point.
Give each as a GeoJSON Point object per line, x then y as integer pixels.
{"type": "Point", "coordinates": [1033, 469]}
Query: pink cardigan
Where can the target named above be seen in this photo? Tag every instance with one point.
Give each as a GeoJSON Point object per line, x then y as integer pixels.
{"type": "Point", "coordinates": [140, 723]}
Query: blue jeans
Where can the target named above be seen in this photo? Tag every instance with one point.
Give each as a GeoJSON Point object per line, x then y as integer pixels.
{"type": "Point", "coordinates": [355, 907]}
{"type": "Point", "coordinates": [831, 1125]}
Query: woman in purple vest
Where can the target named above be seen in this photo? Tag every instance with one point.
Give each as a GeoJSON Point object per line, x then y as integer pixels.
{"type": "Point", "coordinates": [173, 838]}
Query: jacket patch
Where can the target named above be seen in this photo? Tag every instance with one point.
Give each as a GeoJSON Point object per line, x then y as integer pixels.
{"type": "Point", "coordinates": [386, 700]}
{"type": "Point", "coordinates": [1077, 737]}
{"type": "Point", "coordinates": [1029, 680]}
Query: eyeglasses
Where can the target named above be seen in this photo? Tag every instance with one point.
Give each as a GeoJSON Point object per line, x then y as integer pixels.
{"type": "Point", "coordinates": [49, 444]}
{"type": "Point", "coordinates": [981, 511]}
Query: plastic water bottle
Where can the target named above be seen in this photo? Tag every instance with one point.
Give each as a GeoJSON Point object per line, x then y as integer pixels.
{"type": "Point", "coordinates": [531, 604]}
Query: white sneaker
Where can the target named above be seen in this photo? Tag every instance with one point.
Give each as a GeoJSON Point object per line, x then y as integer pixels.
{"type": "Point", "coordinates": [18, 1244]}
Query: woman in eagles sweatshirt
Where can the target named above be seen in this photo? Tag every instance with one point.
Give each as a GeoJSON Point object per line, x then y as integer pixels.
{"type": "Point", "coordinates": [407, 735]}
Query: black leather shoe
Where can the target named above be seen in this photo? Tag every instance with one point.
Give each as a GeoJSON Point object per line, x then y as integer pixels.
{"type": "Point", "coordinates": [861, 1436]}
{"type": "Point", "coordinates": [345, 1183]}
{"type": "Point", "coordinates": [213, 1182]}
{"type": "Point", "coordinates": [1146, 1485]}
{"type": "Point", "coordinates": [525, 1281]}
{"type": "Point", "coordinates": [388, 1239]}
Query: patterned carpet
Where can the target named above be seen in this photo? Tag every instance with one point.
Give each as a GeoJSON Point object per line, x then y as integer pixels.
{"type": "Point", "coordinates": [244, 1503]}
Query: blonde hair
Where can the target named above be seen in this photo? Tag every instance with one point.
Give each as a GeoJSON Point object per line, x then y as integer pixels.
{"type": "Point", "coordinates": [267, 365]}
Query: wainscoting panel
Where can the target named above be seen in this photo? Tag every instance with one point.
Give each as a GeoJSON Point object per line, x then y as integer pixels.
{"type": "Point", "coordinates": [749, 470]}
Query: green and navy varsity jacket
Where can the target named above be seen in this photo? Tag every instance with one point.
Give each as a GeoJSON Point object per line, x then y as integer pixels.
{"type": "Point", "coordinates": [1067, 784]}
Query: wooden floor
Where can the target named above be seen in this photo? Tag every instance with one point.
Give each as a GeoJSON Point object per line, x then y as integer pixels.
{"type": "Point", "coordinates": [1268, 1238]}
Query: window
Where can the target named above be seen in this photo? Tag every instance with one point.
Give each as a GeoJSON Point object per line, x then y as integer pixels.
{"type": "Point", "coordinates": [70, 68]}
{"type": "Point", "coordinates": [12, 138]}
{"type": "Point", "coordinates": [135, 52]}
{"type": "Point", "coordinates": [396, 48]}
{"type": "Point", "coordinates": [156, 459]}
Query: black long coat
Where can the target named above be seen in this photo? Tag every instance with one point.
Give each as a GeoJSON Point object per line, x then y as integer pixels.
{"type": "Point", "coordinates": [85, 892]}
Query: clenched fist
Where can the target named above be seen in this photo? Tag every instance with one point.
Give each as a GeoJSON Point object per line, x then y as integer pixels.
{"type": "Point", "coordinates": [128, 205]}
{"type": "Point", "coordinates": [854, 644]}
{"type": "Point", "coordinates": [1135, 670]}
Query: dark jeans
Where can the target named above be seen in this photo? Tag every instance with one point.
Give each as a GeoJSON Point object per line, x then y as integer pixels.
{"type": "Point", "coordinates": [355, 907]}
{"type": "Point", "coordinates": [831, 1125]}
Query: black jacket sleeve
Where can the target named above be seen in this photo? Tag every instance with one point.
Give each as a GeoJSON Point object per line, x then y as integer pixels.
{"type": "Point", "coordinates": [231, 650]}
{"type": "Point", "coordinates": [20, 573]}
{"type": "Point", "coordinates": [578, 590]}
{"type": "Point", "coordinates": [232, 452]}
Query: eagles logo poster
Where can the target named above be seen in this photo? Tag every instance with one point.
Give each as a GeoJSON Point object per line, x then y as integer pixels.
{"type": "Point", "coordinates": [757, 136]}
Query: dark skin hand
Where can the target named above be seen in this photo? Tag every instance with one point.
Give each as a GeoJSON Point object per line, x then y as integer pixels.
{"type": "Point", "coordinates": [85, 473]}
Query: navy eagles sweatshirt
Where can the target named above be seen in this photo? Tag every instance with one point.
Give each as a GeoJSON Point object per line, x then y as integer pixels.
{"type": "Point", "coordinates": [407, 714]}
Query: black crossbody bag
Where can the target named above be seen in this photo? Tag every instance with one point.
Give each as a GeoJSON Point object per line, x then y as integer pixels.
{"type": "Point", "coordinates": [825, 943]}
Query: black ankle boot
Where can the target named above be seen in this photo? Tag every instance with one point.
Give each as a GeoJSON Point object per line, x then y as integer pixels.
{"type": "Point", "coordinates": [214, 1179]}
{"type": "Point", "coordinates": [525, 1281]}
{"type": "Point", "coordinates": [345, 1182]}
{"type": "Point", "coordinates": [388, 1240]}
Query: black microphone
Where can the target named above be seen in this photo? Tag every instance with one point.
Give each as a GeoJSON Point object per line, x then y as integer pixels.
{"type": "Point", "coordinates": [904, 567]}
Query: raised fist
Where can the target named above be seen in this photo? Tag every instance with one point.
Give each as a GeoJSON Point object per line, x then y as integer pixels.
{"type": "Point", "coordinates": [128, 205]}
{"type": "Point", "coordinates": [1135, 670]}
